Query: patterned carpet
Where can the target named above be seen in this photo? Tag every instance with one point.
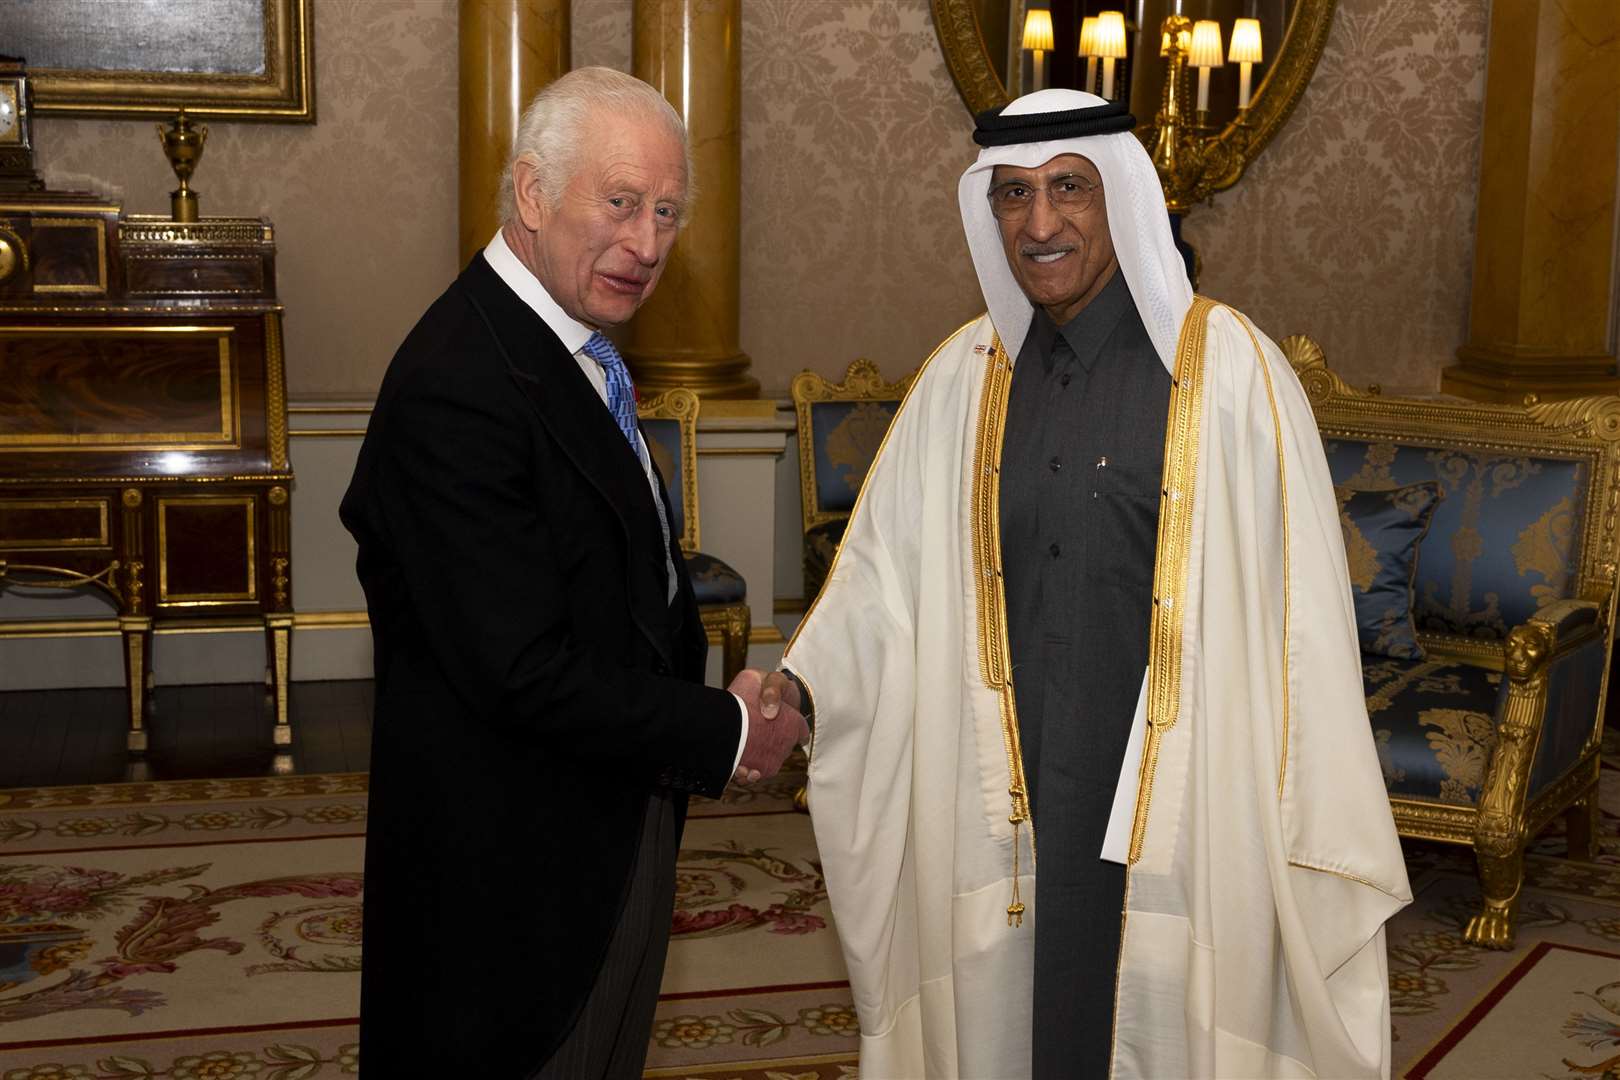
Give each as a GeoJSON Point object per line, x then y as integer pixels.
{"type": "Point", "coordinates": [188, 930]}
{"type": "Point", "coordinates": [211, 929]}
{"type": "Point", "coordinates": [1549, 1009]}
{"type": "Point", "coordinates": [755, 987]}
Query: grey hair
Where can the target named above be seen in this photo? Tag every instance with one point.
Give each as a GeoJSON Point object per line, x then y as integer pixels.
{"type": "Point", "coordinates": [554, 128]}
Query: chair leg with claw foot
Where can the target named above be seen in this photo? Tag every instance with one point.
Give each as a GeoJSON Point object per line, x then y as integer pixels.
{"type": "Point", "coordinates": [1502, 877]}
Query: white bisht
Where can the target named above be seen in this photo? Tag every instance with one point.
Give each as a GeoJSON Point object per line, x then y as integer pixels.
{"type": "Point", "coordinates": [1263, 861]}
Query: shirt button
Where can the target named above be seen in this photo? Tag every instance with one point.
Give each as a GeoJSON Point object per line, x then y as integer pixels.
{"type": "Point", "coordinates": [1055, 550]}
{"type": "Point", "coordinates": [1064, 381]}
{"type": "Point", "coordinates": [1056, 464]}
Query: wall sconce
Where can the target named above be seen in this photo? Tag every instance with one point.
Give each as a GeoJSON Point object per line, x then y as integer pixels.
{"type": "Point", "coordinates": [1245, 52]}
{"type": "Point", "coordinates": [1204, 54]}
{"type": "Point", "coordinates": [1088, 49]}
{"type": "Point", "coordinates": [1038, 39]}
{"type": "Point", "coordinates": [1110, 43]}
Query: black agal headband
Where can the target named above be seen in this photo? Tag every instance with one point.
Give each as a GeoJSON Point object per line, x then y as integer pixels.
{"type": "Point", "coordinates": [994, 128]}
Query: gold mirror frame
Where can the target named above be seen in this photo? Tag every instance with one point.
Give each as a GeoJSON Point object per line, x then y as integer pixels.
{"type": "Point", "coordinates": [1238, 144]}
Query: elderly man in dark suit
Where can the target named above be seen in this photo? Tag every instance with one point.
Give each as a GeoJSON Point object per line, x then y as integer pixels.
{"type": "Point", "coordinates": [541, 716]}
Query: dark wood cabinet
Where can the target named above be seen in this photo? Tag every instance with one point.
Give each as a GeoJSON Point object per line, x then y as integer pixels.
{"type": "Point", "coordinates": [143, 424]}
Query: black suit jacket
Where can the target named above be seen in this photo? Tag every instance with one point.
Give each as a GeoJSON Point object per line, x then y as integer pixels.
{"type": "Point", "coordinates": [533, 687]}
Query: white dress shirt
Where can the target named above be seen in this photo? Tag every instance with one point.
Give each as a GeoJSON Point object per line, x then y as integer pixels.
{"type": "Point", "coordinates": [574, 334]}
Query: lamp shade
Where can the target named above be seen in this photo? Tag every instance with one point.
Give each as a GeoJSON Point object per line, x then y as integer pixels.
{"type": "Point", "coordinates": [1206, 44]}
{"type": "Point", "coordinates": [1246, 42]}
{"type": "Point", "coordinates": [1110, 35]}
{"type": "Point", "coordinates": [1038, 29]}
{"type": "Point", "coordinates": [1088, 36]}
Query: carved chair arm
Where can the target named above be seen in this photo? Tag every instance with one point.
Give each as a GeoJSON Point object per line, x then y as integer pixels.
{"type": "Point", "coordinates": [1552, 632]}
{"type": "Point", "coordinates": [1555, 633]}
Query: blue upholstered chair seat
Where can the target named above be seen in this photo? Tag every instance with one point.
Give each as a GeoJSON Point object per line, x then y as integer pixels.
{"type": "Point", "coordinates": [714, 581]}
{"type": "Point", "coordinates": [1435, 725]}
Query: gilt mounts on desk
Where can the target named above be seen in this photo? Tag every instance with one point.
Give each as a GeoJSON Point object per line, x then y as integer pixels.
{"type": "Point", "coordinates": [143, 423]}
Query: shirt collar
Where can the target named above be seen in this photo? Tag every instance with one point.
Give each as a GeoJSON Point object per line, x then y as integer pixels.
{"type": "Point", "coordinates": [522, 281]}
{"type": "Point", "coordinates": [1088, 331]}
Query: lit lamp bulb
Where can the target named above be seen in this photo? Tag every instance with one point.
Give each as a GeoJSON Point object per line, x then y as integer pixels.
{"type": "Point", "coordinates": [1205, 54]}
{"type": "Point", "coordinates": [1038, 39]}
{"type": "Point", "coordinates": [1245, 52]}
{"type": "Point", "coordinates": [1088, 49]}
{"type": "Point", "coordinates": [1110, 44]}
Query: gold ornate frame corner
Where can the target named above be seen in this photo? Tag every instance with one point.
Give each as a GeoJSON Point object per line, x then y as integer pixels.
{"type": "Point", "coordinates": [966, 56]}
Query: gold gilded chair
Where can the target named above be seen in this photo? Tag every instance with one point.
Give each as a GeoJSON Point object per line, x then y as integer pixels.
{"type": "Point", "coordinates": [669, 422]}
{"type": "Point", "coordinates": [1490, 727]}
{"type": "Point", "coordinates": [840, 427]}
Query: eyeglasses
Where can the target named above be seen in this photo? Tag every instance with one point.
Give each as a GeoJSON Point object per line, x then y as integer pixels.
{"type": "Point", "coordinates": [1068, 195]}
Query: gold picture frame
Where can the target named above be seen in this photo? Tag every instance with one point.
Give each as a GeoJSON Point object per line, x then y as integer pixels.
{"type": "Point", "coordinates": [280, 88]}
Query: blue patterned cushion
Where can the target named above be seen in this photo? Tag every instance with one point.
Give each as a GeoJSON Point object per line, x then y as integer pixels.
{"type": "Point", "coordinates": [1382, 530]}
{"type": "Point", "coordinates": [1435, 725]}
{"type": "Point", "coordinates": [847, 435]}
{"type": "Point", "coordinates": [1503, 541]}
{"type": "Point", "coordinates": [664, 446]}
{"type": "Point", "coordinates": [715, 582]}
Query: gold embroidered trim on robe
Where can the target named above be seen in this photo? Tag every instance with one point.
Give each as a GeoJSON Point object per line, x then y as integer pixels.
{"type": "Point", "coordinates": [995, 656]}
{"type": "Point", "coordinates": [1171, 557]}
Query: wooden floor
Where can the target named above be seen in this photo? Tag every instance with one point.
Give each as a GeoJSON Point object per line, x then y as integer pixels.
{"type": "Point", "coordinates": [54, 737]}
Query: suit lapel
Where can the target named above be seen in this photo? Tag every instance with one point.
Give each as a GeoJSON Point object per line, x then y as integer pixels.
{"type": "Point", "coordinates": [572, 412]}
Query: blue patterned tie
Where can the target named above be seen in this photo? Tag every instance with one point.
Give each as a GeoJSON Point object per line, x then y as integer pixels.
{"type": "Point", "coordinates": [621, 393]}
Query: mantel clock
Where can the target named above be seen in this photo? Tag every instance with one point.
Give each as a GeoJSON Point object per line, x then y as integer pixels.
{"type": "Point", "coordinates": [16, 130]}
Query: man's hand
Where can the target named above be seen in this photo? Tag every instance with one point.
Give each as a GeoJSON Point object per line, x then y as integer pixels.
{"type": "Point", "coordinates": [775, 725]}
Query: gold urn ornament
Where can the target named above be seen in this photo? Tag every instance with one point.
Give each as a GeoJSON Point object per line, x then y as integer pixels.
{"type": "Point", "coordinates": [183, 143]}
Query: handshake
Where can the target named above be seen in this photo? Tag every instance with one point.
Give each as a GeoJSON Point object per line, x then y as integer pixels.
{"type": "Point", "coordinates": [775, 723]}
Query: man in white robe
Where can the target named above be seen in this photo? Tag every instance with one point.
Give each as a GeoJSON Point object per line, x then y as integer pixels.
{"type": "Point", "coordinates": [1261, 859]}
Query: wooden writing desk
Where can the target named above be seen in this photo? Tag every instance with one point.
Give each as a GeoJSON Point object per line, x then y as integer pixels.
{"type": "Point", "coordinates": [143, 424]}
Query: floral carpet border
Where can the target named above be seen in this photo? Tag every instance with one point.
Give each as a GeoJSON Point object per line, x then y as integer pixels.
{"type": "Point", "coordinates": [180, 791]}
{"type": "Point", "coordinates": [816, 1067]}
{"type": "Point", "coordinates": [302, 1052]}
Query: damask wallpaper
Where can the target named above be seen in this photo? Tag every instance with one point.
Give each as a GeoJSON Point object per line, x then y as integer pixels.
{"type": "Point", "coordinates": [1355, 225]}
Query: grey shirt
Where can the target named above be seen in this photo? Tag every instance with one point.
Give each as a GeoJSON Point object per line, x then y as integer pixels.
{"type": "Point", "coordinates": [1080, 476]}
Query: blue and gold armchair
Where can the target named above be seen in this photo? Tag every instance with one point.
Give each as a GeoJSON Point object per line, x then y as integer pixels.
{"type": "Point", "coordinates": [1488, 712]}
{"type": "Point", "coordinates": [840, 427]}
{"type": "Point", "coordinates": [669, 423]}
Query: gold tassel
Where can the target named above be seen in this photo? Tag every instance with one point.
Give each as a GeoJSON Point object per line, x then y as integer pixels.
{"type": "Point", "coordinates": [1015, 910]}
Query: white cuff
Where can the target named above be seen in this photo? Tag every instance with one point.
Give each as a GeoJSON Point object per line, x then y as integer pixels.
{"type": "Point", "coordinates": [742, 739]}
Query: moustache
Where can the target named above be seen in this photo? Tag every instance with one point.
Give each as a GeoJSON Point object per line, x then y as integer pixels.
{"type": "Point", "coordinates": [1046, 249]}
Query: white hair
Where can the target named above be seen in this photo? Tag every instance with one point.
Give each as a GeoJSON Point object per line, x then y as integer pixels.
{"type": "Point", "coordinates": [554, 128]}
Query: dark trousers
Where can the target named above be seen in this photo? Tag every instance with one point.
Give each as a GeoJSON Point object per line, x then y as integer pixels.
{"type": "Point", "coordinates": [609, 1041]}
